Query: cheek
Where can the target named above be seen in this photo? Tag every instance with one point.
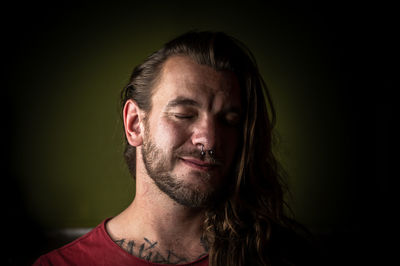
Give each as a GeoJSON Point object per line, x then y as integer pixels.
{"type": "Point", "coordinates": [169, 134]}
{"type": "Point", "coordinates": [231, 144]}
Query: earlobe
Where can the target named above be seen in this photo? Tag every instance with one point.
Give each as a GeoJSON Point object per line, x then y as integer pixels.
{"type": "Point", "coordinates": [132, 118]}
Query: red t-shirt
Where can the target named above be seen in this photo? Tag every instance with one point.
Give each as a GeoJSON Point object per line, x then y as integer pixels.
{"type": "Point", "coordinates": [97, 248]}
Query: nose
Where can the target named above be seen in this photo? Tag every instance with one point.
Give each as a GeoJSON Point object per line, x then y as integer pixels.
{"type": "Point", "coordinates": [205, 134]}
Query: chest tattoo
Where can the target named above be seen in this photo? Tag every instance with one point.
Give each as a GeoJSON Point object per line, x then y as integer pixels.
{"type": "Point", "coordinates": [149, 250]}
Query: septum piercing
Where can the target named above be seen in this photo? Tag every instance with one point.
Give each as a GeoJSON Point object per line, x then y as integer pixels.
{"type": "Point", "coordinates": [203, 153]}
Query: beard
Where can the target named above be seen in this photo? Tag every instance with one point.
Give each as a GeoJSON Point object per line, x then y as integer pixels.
{"type": "Point", "coordinates": [159, 165]}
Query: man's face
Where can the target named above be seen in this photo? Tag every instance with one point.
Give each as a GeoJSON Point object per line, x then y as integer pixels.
{"type": "Point", "coordinates": [192, 105]}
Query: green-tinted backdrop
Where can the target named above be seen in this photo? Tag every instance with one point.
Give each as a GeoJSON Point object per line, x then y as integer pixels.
{"type": "Point", "coordinates": [67, 65]}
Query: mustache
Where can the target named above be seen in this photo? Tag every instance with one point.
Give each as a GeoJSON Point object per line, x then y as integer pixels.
{"type": "Point", "coordinates": [195, 153]}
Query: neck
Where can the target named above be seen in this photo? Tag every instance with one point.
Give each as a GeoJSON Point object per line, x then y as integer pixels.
{"type": "Point", "coordinates": [156, 223]}
{"type": "Point", "coordinates": [163, 218]}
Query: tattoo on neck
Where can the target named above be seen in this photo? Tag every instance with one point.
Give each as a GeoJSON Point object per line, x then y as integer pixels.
{"type": "Point", "coordinates": [206, 246]}
{"type": "Point", "coordinates": [204, 243]}
{"type": "Point", "coordinates": [149, 251]}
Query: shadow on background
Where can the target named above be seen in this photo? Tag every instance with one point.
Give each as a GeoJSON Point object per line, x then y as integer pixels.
{"type": "Point", "coordinates": [330, 69]}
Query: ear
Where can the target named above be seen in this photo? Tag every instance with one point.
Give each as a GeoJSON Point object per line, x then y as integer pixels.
{"type": "Point", "coordinates": [132, 121]}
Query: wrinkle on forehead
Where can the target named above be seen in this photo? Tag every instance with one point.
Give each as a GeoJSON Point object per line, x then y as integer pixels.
{"type": "Point", "coordinates": [187, 76]}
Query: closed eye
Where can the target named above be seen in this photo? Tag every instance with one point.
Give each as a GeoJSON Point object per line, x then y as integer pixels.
{"type": "Point", "coordinates": [183, 116]}
{"type": "Point", "coordinates": [232, 119]}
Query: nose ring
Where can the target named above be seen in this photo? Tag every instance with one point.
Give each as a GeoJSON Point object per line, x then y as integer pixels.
{"type": "Point", "coordinates": [203, 152]}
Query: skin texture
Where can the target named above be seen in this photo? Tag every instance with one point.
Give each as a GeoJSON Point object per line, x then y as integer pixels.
{"type": "Point", "coordinates": [192, 105]}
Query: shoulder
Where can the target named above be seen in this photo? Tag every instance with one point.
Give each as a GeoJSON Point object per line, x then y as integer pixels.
{"type": "Point", "coordinates": [86, 250]}
{"type": "Point", "coordinates": [96, 248]}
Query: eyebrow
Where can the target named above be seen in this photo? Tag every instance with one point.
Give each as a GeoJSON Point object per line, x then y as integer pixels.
{"type": "Point", "coordinates": [234, 110]}
{"type": "Point", "coordinates": [183, 101]}
{"type": "Point", "coordinates": [179, 101]}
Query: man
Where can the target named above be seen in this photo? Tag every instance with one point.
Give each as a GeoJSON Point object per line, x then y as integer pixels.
{"type": "Point", "coordinates": [198, 122]}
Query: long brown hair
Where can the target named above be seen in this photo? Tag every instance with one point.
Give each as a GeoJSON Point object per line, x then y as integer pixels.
{"type": "Point", "coordinates": [239, 229]}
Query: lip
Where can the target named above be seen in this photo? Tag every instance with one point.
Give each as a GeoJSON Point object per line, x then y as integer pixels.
{"type": "Point", "coordinates": [198, 164]}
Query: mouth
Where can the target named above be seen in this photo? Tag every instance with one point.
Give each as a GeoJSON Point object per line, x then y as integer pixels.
{"type": "Point", "coordinates": [198, 164]}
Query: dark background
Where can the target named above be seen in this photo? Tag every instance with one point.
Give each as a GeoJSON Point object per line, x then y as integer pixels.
{"type": "Point", "coordinates": [330, 68]}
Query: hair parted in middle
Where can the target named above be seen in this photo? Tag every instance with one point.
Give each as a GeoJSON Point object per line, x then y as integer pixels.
{"type": "Point", "coordinates": [239, 228]}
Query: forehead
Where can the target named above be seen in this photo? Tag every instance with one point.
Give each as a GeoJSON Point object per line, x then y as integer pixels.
{"type": "Point", "coordinates": [181, 76]}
